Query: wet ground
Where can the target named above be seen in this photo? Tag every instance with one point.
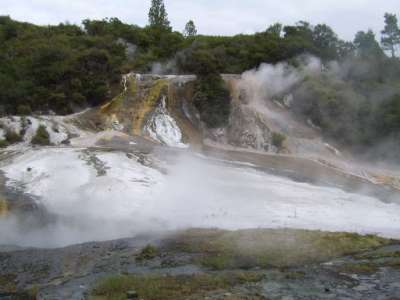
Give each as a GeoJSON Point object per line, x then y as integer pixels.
{"type": "Point", "coordinates": [72, 272]}
{"type": "Point", "coordinates": [296, 168]}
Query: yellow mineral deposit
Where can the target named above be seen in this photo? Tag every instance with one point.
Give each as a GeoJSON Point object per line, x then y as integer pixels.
{"type": "Point", "coordinates": [148, 105]}
{"type": "Point", "coordinates": [3, 207]}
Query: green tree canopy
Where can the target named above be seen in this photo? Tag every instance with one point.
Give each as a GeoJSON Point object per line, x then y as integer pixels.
{"type": "Point", "coordinates": [390, 34]}
{"type": "Point", "coordinates": [190, 29]}
{"type": "Point", "coordinates": [366, 44]}
{"type": "Point", "coordinates": [326, 40]}
{"type": "Point", "coordinates": [158, 16]}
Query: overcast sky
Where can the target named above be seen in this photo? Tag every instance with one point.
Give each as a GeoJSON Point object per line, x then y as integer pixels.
{"type": "Point", "coordinates": [218, 17]}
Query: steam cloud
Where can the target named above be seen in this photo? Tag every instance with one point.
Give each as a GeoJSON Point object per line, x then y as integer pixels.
{"type": "Point", "coordinates": [197, 192]}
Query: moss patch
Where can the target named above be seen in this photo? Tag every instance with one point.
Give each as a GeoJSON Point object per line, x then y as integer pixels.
{"type": "Point", "coordinates": [4, 144]}
{"type": "Point", "coordinates": [7, 283]}
{"type": "Point", "coordinates": [359, 268]}
{"type": "Point", "coordinates": [171, 287]}
{"type": "Point", "coordinates": [219, 250]}
{"type": "Point", "coordinates": [132, 86]}
{"type": "Point", "coordinates": [372, 265]}
{"type": "Point", "coordinates": [378, 255]}
{"type": "Point", "coordinates": [3, 207]}
{"type": "Point", "coordinates": [113, 105]}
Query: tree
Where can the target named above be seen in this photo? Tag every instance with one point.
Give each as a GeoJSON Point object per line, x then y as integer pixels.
{"type": "Point", "coordinates": [275, 29]}
{"type": "Point", "coordinates": [390, 34]}
{"type": "Point", "coordinates": [158, 16]}
{"type": "Point", "coordinates": [212, 100]}
{"type": "Point", "coordinates": [366, 44]}
{"type": "Point", "coordinates": [190, 29]}
{"type": "Point", "coordinates": [326, 40]}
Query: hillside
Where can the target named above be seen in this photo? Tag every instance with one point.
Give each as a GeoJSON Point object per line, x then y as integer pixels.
{"type": "Point", "coordinates": [145, 163]}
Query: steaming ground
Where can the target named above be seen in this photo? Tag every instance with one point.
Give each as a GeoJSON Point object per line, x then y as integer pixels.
{"type": "Point", "coordinates": [98, 195]}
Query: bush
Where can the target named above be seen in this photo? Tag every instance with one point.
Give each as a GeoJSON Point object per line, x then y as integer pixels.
{"type": "Point", "coordinates": [3, 143]}
{"type": "Point", "coordinates": [24, 110]}
{"type": "Point", "coordinates": [13, 137]}
{"type": "Point", "coordinates": [41, 137]}
{"type": "Point", "coordinates": [212, 100]}
{"type": "Point", "coordinates": [278, 139]}
{"type": "Point", "coordinates": [149, 252]}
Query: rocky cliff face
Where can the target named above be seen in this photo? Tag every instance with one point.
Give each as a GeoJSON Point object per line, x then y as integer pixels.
{"type": "Point", "coordinates": [160, 108]}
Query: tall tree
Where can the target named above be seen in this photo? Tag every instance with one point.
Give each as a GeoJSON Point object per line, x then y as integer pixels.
{"type": "Point", "coordinates": [326, 41]}
{"type": "Point", "coordinates": [190, 29]}
{"type": "Point", "coordinates": [275, 29]}
{"type": "Point", "coordinates": [158, 16]}
{"type": "Point", "coordinates": [390, 34]}
{"type": "Point", "coordinates": [366, 44]}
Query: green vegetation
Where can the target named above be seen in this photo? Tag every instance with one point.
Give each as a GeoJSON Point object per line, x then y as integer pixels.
{"type": "Point", "coordinates": [59, 68]}
{"type": "Point", "coordinates": [3, 144]}
{"type": "Point", "coordinates": [13, 137]}
{"type": "Point", "coordinates": [147, 253]}
{"type": "Point", "coordinates": [360, 109]}
{"type": "Point", "coordinates": [246, 249]}
{"type": "Point", "coordinates": [212, 100]}
{"type": "Point", "coordinates": [278, 139]}
{"type": "Point", "coordinates": [7, 283]}
{"type": "Point", "coordinates": [66, 67]}
{"type": "Point", "coordinates": [190, 29]}
{"type": "Point", "coordinates": [158, 16]}
{"type": "Point", "coordinates": [371, 262]}
{"type": "Point", "coordinates": [41, 137]}
{"type": "Point", "coordinates": [3, 207]}
{"type": "Point", "coordinates": [154, 287]}
{"type": "Point", "coordinates": [391, 34]}
{"type": "Point", "coordinates": [359, 268]}
{"type": "Point", "coordinates": [379, 255]}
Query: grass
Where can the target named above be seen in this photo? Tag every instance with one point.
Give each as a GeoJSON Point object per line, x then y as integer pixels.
{"type": "Point", "coordinates": [371, 266]}
{"type": "Point", "coordinates": [170, 287]}
{"type": "Point", "coordinates": [359, 268]}
{"type": "Point", "coordinates": [7, 283]}
{"type": "Point", "coordinates": [246, 249]}
{"type": "Point", "coordinates": [378, 255]}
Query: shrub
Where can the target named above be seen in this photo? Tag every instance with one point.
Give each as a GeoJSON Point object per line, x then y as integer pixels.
{"type": "Point", "coordinates": [3, 143]}
{"type": "Point", "coordinates": [278, 139]}
{"type": "Point", "coordinates": [147, 253]}
{"type": "Point", "coordinates": [13, 137]}
{"type": "Point", "coordinates": [24, 110]}
{"type": "Point", "coordinates": [212, 100]}
{"type": "Point", "coordinates": [41, 137]}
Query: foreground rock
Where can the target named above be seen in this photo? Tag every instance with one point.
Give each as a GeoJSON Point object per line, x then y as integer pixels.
{"type": "Point", "coordinates": [210, 264]}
